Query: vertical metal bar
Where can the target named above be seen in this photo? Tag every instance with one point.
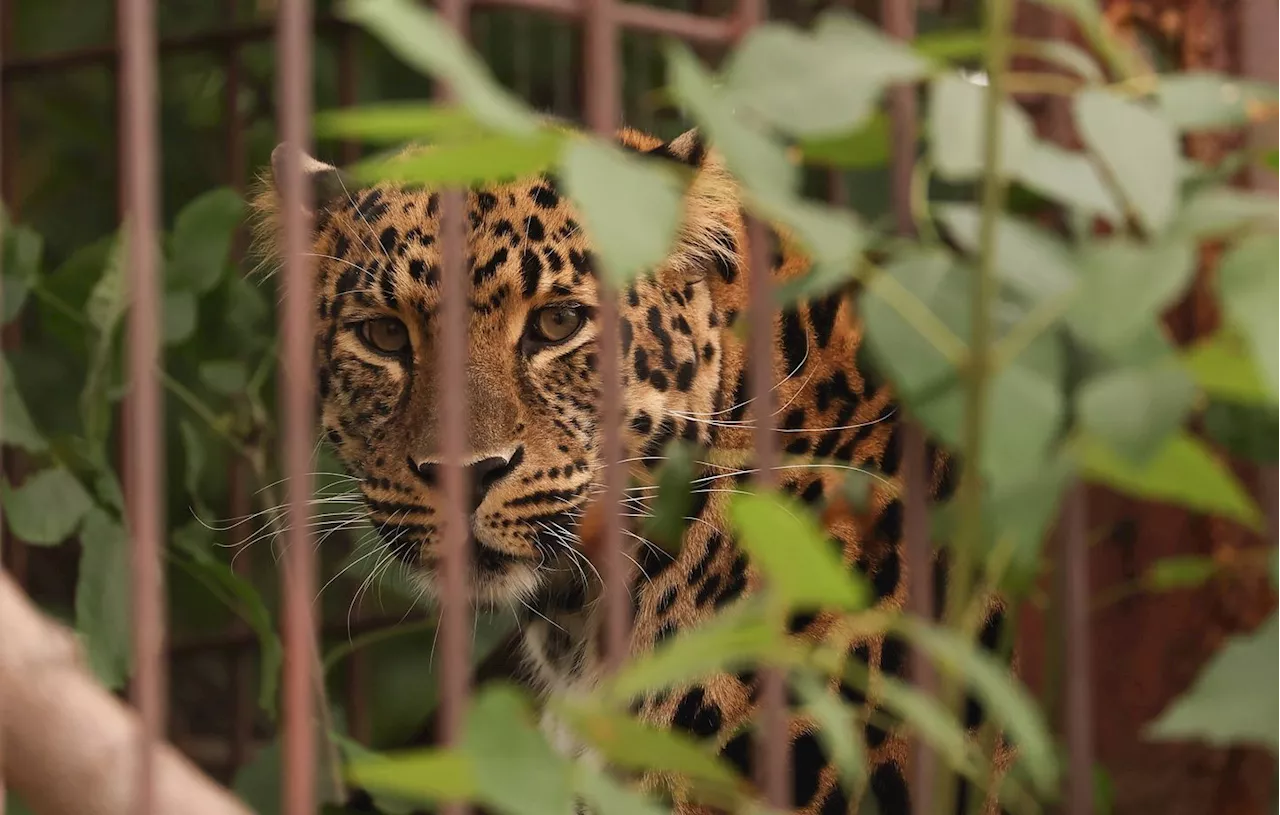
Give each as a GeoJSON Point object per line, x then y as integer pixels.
{"type": "Point", "coordinates": [455, 605]}
{"type": "Point", "coordinates": [143, 419]}
{"type": "Point", "coordinates": [772, 746]}
{"type": "Point", "coordinates": [601, 73]}
{"type": "Point", "coordinates": [1257, 38]}
{"type": "Point", "coordinates": [1078, 721]}
{"type": "Point", "coordinates": [6, 22]}
{"type": "Point", "coordinates": [297, 403]}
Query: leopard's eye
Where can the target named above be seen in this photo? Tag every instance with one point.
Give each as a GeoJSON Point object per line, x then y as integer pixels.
{"type": "Point", "coordinates": [557, 323]}
{"type": "Point", "coordinates": [385, 334]}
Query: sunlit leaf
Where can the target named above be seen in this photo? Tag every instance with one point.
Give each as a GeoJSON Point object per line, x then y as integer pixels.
{"type": "Point", "coordinates": [1139, 149]}
{"type": "Point", "coordinates": [1222, 366]}
{"type": "Point", "coordinates": [201, 240]}
{"type": "Point", "coordinates": [1004, 700]}
{"type": "Point", "coordinates": [419, 776]}
{"type": "Point", "coordinates": [1124, 286]}
{"type": "Point", "coordinates": [1233, 701]}
{"type": "Point", "coordinates": [418, 36]}
{"type": "Point", "coordinates": [630, 205]}
{"type": "Point", "coordinates": [399, 121]}
{"type": "Point", "coordinates": [47, 508]}
{"type": "Point", "coordinates": [514, 768]}
{"type": "Point", "coordinates": [1181, 472]}
{"type": "Point", "coordinates": [473, 161]}
{"type": "Point", "coordinates": [103, 593]}
{"type": "Point", "coordinates": [1203, 100]}
{"type": "Point", "coordinates": [1136, 409]}
{"type": "Point", "coordinates": [793, 551]}
{"type": "Point", "coordinates": [956, 129]}
{"type": "Point", "coordinates": [1249, 287]}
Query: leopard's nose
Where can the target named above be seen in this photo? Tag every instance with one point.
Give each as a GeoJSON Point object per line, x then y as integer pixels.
{"type": "Point", "coordinates": [480, 474]}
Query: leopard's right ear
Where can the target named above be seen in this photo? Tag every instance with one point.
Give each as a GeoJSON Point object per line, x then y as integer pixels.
{"type": "Point", "coordinates": [325, 182]}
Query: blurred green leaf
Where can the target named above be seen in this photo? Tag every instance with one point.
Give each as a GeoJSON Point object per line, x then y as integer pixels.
{"type": "Point", "coordinates": [399, 121]}
{"type": "Point", "coordinates": [23, 251]}
{"type": "Point", "coordinates": [1179, 572]}
{"type": "Point", "coordinates": [1216, 212]}
{"type": "Point", "coordinates": [1249, 432]}
{"type": "Point", "coordinates": [1139, 149]}
{"type": "Point", "coordinates": [418, 776]}
{"type": "Point", "coordinates": [109, 298]}
{"type": "Point", "coordinates": [474, 161]}
{"type": "Point", "coordinates": [47, 508]}
{"type": "Point", "coordinates": [794, 552]}
{"type": "Point", "coordinates": [631, 744]}
{"type": "Point", "coordinates": [1136, 409]}
{"type": "Point", "coordinates": [1125, 286]}
{"type": "Point", "coordinates": [1066, 177]}
{"type": "Point", "coordinates": [18, 428]}
{"type": "Point", "coordinates": [1004, 700]}
{"type": "Point", "coordinates": [955, 128]}
{"type": "Point", "coordinates": [418, 36]}
{"type": "Point", "coordinates": [837, 728]}
{"type": "Point", "coordinates": [1181, 472]}
{"type": "Point", "coordinates": [666, 524]}
{"type": "Point", "coordinates": [1204, 100]}
{"type": "Point", "coordinates": [1233, 701]}
{"type": "Point", "coordinates": [1030, 260]}
{"type": "Point", "coordinates": [1249, 287]}
{"type": "Point", "coordinates": [515, 770]}
{"type": "Point", "coordinates": [820, 84]}
{"type": "Point", "coordinates": [865, 146]}
{"type": "Point", "coordinates": [228, 377]}
{"type": "Point", "coordinates": [103, 594]}
{"type": "Point", "coordinates": [611, 188]}
{"type": "Point", "coordinates": [201, 241]}
{"type": "Point", "coordinates": [179, 316]}
{"type": "Point", "coordinates": [1222, 366]}
{"type": "Point", "coordinates": [604, 795]}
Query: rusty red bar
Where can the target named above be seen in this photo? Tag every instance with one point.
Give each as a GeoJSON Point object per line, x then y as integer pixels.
{"type": "Point", "coordinates": [297, 389]}
{"type": "Point", "coordinates": [601, 57]}
{"type": "Point", "coordinates": [143, 417]}
{"type": "Point", "coordinates": [1078, 718]}
{"type": "Point", "coordinates": [455, 605]}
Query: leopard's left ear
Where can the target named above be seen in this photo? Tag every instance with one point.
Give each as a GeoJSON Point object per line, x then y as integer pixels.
{"type": "Point", "coordinates": [687, 148]}
{"type": "Point", "coordinates": [325, 182]}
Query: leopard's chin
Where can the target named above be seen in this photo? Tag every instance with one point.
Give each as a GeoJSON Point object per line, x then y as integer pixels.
{"type": "Point", "coordinates": [495, 580]}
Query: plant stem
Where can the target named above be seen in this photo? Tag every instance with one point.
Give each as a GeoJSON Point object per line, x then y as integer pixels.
{"type": "Point", "coordinates": [999, 19]}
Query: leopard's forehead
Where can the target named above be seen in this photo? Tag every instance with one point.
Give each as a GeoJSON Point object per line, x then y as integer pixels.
{"type": "Point", "coordinates": [524, 242]}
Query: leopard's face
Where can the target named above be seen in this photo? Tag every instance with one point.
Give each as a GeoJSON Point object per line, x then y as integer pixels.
{"type": "Point", "coordinates": [532, 370]}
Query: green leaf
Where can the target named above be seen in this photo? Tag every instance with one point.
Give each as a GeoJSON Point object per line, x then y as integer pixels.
{"type": "Point", "coordinates": [837, 726]}
{"type": "Point", "coordinates": [817, 85]}
{"type": "Point", "coordinates": [1233, 701]}
{"type": "Point", "coordinates": [831, 238]}
{"type": "Point", "coordinates": [867, 146]}
{"type": "Point", "coordinates": [103, 598]}
{"type": "Point", "coordinates": [192, 554]}
{"type": "Point", "coordinates": [474, 161]}
{"type": "Point", "coordinates": [1203, 100]}
{"type": "Point", "coordinates": [628, 743]}
{"type": "Point", "coordinates": [785, 542]}
{"type": "Point", "coordinates": [674, 499]}
{"type": "Point", "coordinates": [399, 121]}
{"type": "Point", "coordinates": [109, 298]}
{"type": "Point", "coordinates": [201, 241]}
{"type": "Point", "coordinates": [1181, 472]}
{"type": "Point", "coordinates": [417, 776]}
{"type": "Point", "coordinates": [228, 377]}
{"type": "Point", "coordinates": [610, 188]}
{"type": "Point", "coordinates": [604, 795]}
{"type": "Point", "coordinates": [47, 508]}
{"type": "Point", "coordinates": [1216, 212]}
{"type": "Point", "coordinates": [1249, 288]}
{"type": "Point", "coordinates": [1005, 700]}
{"type": "Point", "coordinates": [194, 457]}
{"type": "Point", "coordinates": [1248, 432]}
{"type": "Point", "coordinates": [1066, 177]}
{"type": "Point", "coordinates": [23, 250]}
{"type": "Point", "coordinates": [956, 130]}
{"type": "Point", "coordinates": [1136, 409]}
{"type": "Point", "coordinates": [426, 43]}
{"type": "Point", "coordinates": [1030, 260]}
{"type": "Point", "coordinates": [1139, 149]}
{"type": "Point", "coordinates": [179, 317]}
{"type": "Point", "coordinates": [1125, 286]}
{"type": "Point", "coordinates": [1179, 572]}
{"type": "Point", "coordinates": [922, 714]}
{"type": "Point", "coordinates": [734, 639]}
{"type": "Point", "coordinates": [1222, 367]}
{"type": "Point", "coordinates": [514, 768]}
{"type": "Point", "coordinates": [18, 428]}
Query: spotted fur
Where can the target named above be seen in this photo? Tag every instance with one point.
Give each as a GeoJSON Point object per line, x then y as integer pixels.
{"type": "Point", "coordinates": [535, 409]}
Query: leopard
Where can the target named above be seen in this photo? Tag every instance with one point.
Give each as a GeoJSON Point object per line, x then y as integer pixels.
{"type": "Point", "coordinates": [534, 462]}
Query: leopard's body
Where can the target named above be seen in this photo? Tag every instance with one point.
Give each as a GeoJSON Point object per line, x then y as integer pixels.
{"type": "Point", "coordinates": [533, 409]}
